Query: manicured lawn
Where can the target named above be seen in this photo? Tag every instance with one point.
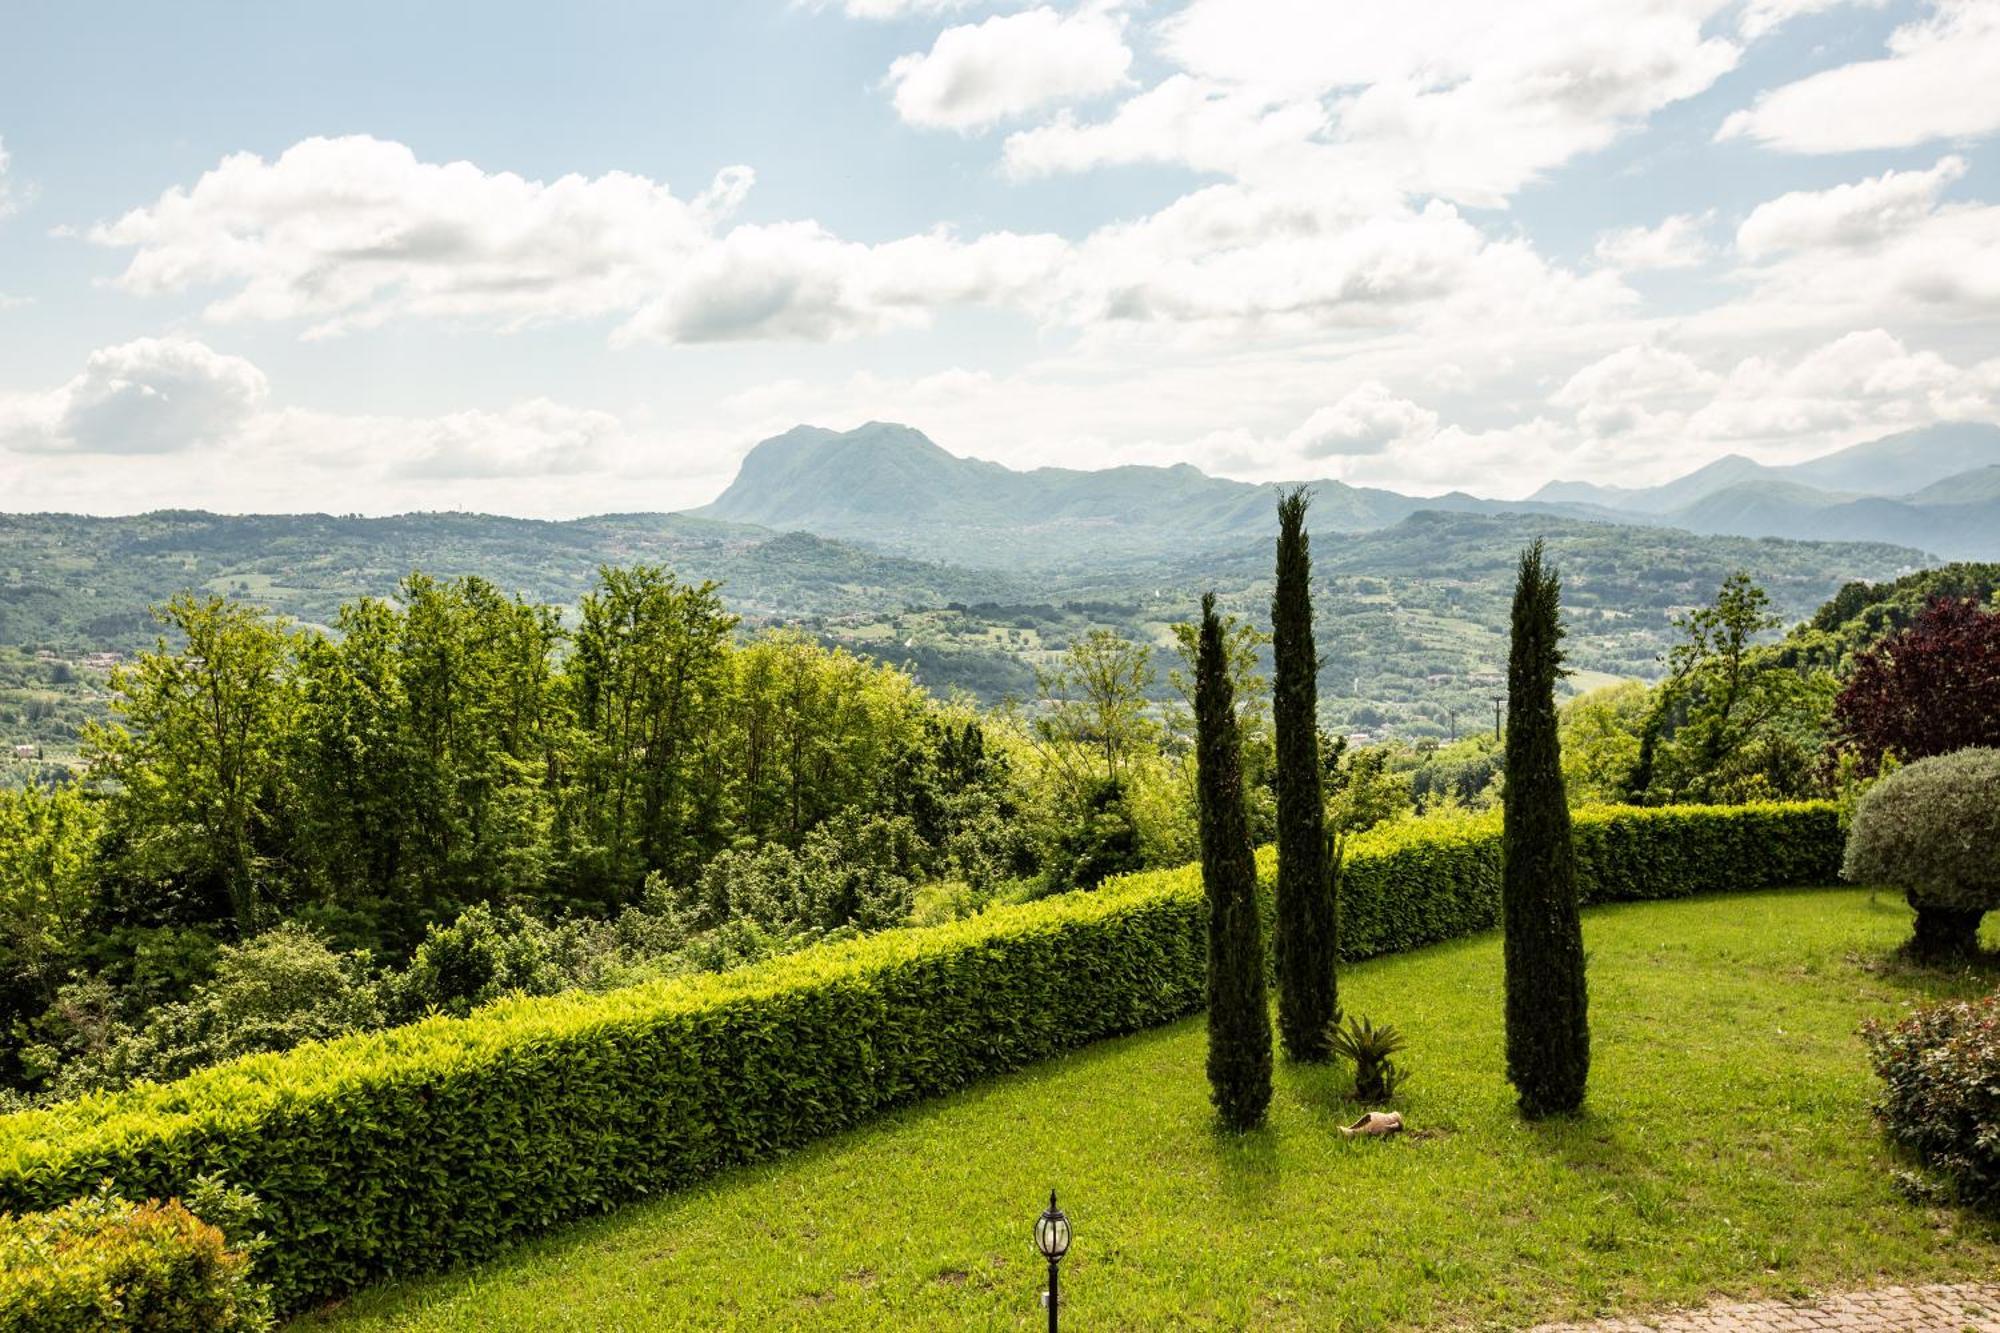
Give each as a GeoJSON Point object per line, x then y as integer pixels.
{"type": "Point", "coordinates": [1726, 1150]}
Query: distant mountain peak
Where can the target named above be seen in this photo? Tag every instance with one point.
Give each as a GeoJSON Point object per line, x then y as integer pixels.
{"type": "Point", "coordinates": [890, 486]}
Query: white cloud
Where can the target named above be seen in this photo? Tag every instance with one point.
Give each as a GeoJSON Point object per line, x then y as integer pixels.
{"type": "Point", "coordinates": [799, 281]}
{"type": "Point", "coordinates": [1464, 100]}
{"type": "Point", "coordinates": [188, 424]}
{"type": "Point", "coordinates": [1846, 216]}
{"type": "Point", "coordinates": [349, 233]}
{"type": "Point", "coordinates": [1677, 242]}
{"type": "Point", "coordinates": [1632, 389]}
{"type": "Point", "coordinates": [1884, 249]}
{"type": "Point", "coordinates": [153, 395]}
{"type": "Point", "coordinates": [1185, 121]}
{"type": "Point", "coordinates": [1645, 412]}
{"type": "Point", "coordinates": [1229, 257]}
{"type": "Point", "coordinates": [1010, 64]}
{"type": "Point", "coordinates": [1367, 420]}
{"type": "Point", "coordinates": [1858, 386]}
{"type": "Point", "coordinates": [1940, 80]}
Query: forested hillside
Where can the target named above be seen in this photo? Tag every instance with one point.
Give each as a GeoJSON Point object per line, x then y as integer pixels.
{"type": "Point", "coordinates": [80, 583]}
{"type": "Point", "coordinates": [1412, 625]}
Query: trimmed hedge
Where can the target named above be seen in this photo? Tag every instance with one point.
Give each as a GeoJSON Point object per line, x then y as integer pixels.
{"type": "Point", "coordinates": [101, 1263]}
{"type": "Point", "coordinates": [423, 1146]}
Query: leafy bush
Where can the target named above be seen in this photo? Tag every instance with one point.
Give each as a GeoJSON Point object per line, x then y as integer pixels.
{"type": "Point", "coordinates": [101, 1263]}
{"type": "Point", "coordinates": [1376, 1076]}
{"type": "Point", "coordinates": [481, 956]}
{"type": "Point", "coordinates": [853, 870]}
{"type": "Point", "coordinates": [417, 1147]}
{"type": "Point", "coordinates": [1940, 1070]}
{"type": "Point", "coordinates": [946, 900]}
{"type": "Point", "coordinates": [1930, 829]}
{"type": "Point", "coordinates": [269, 993]}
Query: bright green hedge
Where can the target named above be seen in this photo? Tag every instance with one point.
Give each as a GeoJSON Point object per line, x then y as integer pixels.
{"type": "Point", "coordinates": [427, 1145]}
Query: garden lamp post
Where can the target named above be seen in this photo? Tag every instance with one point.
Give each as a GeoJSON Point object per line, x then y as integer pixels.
{"type": "Point", "coordinates": [1052, 1239]}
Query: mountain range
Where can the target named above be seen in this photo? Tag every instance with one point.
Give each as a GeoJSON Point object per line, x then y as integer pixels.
{"type": "Point", "coordinates": [889, 486]}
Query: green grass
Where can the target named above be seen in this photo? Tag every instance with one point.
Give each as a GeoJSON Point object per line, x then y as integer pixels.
{"type": "Point", "coordinates": [1727, 1150]}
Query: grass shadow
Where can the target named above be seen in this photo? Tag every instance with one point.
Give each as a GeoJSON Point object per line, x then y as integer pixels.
{"type": "Point", "coordinates": [1587, 1140]}
{"type": "Point", "coordinates": [1247, 1166]}
{"type": "Point", "coordinates": [1932, 978]}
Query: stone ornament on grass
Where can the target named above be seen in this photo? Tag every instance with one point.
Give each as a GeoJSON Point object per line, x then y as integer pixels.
{"type": "Point", "coordinates": [1374, 1123]}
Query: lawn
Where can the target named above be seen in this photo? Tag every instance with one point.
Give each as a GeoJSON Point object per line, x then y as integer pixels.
{"type": "Point", "coordinates": [1726, 1150]}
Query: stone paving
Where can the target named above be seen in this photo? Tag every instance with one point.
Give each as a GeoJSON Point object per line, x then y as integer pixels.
{"type": "Point", "coordinates": [1969, 1307]}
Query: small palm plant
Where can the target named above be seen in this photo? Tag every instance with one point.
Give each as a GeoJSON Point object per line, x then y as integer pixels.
{"type": "Point", "coordinates": [1376, 1076]}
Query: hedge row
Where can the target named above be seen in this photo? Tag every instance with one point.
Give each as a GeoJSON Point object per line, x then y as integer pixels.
{"type": "Point", "coordinates": [100, 1263]}
{"type": "Point", "coordinates": [428, 1145]}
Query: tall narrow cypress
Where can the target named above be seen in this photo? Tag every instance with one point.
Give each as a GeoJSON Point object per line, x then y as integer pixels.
{"type": "Point", "coordinates": [1548, 1022]}
{"type": "Point", "coordinates": [1307, 999]}
{"type": "Point", "coordinates": [1239, 1019]}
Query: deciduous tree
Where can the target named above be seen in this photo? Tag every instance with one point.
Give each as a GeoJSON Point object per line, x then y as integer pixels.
{"type": "Point", "coordinates": [1929, 689]}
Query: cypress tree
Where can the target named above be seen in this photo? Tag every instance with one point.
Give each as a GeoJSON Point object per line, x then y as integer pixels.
{"type": "Point", "coordinates": [1307, 999]}
{"type": "Point", "coordinates": [1239, 1019]}
{"type": "Point", "coordinates": [1548, 1023]}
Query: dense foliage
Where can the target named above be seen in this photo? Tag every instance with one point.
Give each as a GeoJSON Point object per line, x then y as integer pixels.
{"type": "Point", "coordinates": [1863, 613]}
{"type": "Point", "coordinates": [1930, 829]}
{"type": "Point", "coordinates": [1239, 1018]}
{"type": "Point", "coordinates": [429, 1144]}
{"type": "Point", "coordinates": [1940, 1071]}
{"type": "Point", "coordinates": [1548, 1022]}
{"type": "Point", "coordinates": [101, 1264]}
{"type": "Point", "coordinates": [1927, 689]}
{"type": "Point", "coordinates": [1308, 998]}
{"type": "Point", "coordinates": [458, 750]}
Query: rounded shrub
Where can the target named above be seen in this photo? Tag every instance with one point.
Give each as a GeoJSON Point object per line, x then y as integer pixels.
{"type": "Point", "coordinates": [1932, 829]}
{"type": "Point", "coordinates": [100, 1263]}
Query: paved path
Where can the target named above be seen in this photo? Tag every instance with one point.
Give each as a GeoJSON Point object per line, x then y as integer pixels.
{"type": "Point", "coordinates": [1971, 1307]}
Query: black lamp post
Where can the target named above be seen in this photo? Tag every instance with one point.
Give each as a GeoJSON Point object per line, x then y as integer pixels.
{"type": "Point", "coordinates": [1052, 1239]}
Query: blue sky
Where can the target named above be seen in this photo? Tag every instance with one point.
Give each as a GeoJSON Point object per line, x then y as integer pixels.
{"type": "Point", "coordinates": [561, 259]}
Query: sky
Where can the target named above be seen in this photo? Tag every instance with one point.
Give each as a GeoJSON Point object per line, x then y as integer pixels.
{"type": "Point", "coordinates": [553, 260]}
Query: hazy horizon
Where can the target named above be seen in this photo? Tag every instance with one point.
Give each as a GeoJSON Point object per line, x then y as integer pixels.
{"type": "Point", "coordinates": [552, 263]}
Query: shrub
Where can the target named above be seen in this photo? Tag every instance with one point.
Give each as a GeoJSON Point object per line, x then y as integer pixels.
{"type": "Point", "coordinates": [1930, 829]}
{"type": "Point", "coordinates": [1940, 1070]}
{"type": "Point", "coordinates": [101, 1263]}
{"type": "Point", "coordinates": [946, 900]}
{"type": "Point", "coordinates": [269, 993]}
{"type": "Point", "coordinates": [853, 870]}
{"type": "Point", "coordinates": [1376, 1076]}
{"type": "Point", "coordinates": [413, 1148]}
{"type": "Point", "coordinates": [479, 957]}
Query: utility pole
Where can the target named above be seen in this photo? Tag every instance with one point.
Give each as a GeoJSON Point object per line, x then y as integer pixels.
{"type": "Point", "coordinates": [1498, 701]}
